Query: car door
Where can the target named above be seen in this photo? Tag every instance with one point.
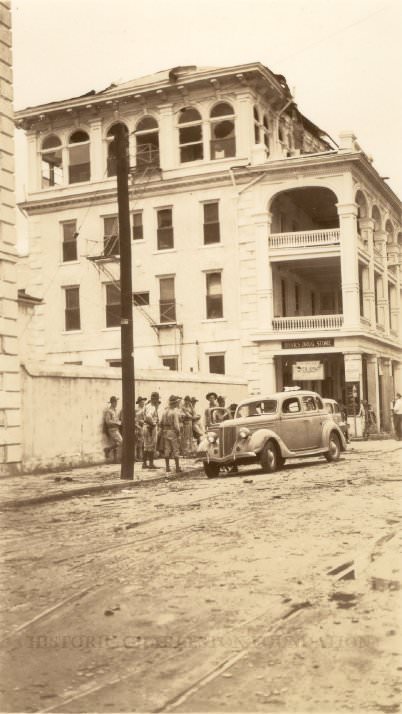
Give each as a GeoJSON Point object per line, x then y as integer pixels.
{"type": "Point", "coordinates": [314, 421]}
{"type": "Point", "coordinates": [293, 424]}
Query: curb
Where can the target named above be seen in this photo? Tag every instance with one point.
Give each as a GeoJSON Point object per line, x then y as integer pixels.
{"type": "Point", "coordinates": [89, 490]}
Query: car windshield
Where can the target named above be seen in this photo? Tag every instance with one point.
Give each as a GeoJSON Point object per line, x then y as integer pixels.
{"type": "Point", "coordinates": [257, 408]}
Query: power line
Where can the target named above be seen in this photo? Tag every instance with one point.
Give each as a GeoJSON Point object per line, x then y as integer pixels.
{"type": "Point", "coordinates": [334, 34]}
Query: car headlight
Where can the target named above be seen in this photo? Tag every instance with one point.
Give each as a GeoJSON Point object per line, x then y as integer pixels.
{"type": "Point", "coordinates": [211, 438]}
{"type": "Point", "coordinates": [244, 433]}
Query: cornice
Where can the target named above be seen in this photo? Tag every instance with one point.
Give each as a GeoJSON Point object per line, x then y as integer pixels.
{"type": "Point", "coordinates": [158, 88]}
{"type": "Point", "coordinates": [304, 166]}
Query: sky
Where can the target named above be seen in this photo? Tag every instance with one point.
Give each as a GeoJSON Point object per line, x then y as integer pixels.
{"type": "Point", "coordinates": [342, 58]}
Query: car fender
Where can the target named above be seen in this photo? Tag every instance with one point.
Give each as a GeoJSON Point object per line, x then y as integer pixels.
{"type": "Point", "coordinates": [330, 426]}
{"type": "Point", "coordinates": [257, 440]}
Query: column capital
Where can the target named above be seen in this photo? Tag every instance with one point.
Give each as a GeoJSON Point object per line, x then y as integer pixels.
{"type": "Point", "coordinates": [367, 223]}
{"type": "Point", "coordinates": [347, 209]}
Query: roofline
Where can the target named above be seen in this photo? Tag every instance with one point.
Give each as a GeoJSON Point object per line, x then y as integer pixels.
{"type": "Point", "coordinates": [103, 96]}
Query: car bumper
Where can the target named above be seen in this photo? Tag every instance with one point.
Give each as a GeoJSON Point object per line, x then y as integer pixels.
{"type": "Point", "coordinates": [232, 458]}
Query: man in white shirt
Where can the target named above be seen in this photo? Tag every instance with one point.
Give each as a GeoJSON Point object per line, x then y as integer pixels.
{"type": "Point", "coordinates": [398, 416]}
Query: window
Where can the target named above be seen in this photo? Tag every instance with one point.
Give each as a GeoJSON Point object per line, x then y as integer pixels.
{"type": "Point", "coordinates": [265, 131]}
{"type": "Point", "coordinates": [113, 305]}
{"type": "Point", "coordinates": [297, 299]}
{"type": "Point", "coordinates": [223, 141]}
{"type": "Point", "coordinates": [319, 403]}
{"type": "Point", "coordinates": [211, 223]}
{"type": "Point", "coordinates": [268, 406]}
{"type": "Point", "coordinates": [167, 302]}
{"type": "Point", "coordinates": [111, 243]}
{"type": "Point", "coordinates": [283, 298]}
{"type": "Point", "coordinates": [69, 241]}
{"type": "Point", "coordinates": [291, 405]}
{"type": "Point", "coordinates": [79, 167]}
{"type": "Point", "coordinates": [72, 308]}
{"type": "Point", "coordinates": [165, 228]}
{"type": "Point", "coordinates": [141, 299]}
{"type": "Point", "coordinates": [171, 362]}
{"type": "Point", "coordinates": [217, 364]}
{"type": "Point", "coordinates": [51, 163]}
{"type": "Point", "coordinates": [214, 296]}
{"type": "Point", "coordinates": [327, 303]}
{"type": "Point", "coordinates": [309, 404]}
{"type": "Point", "coordinates": [111, 148]}
{"type": "Point", "coordinates": [114, 362]}
{"type": "Point", "coordinates": [256, 116]}
{"type": "Point", "coordinates": [138, 230]}
{"type": "Point", "coordinates": [313, 303]}
{"type": "Point", "coordinates": [190, 135]}
{"type": "Point", "coordinates": [147, 143]}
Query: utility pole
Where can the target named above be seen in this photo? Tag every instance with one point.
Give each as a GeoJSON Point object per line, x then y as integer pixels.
{"type": "Point", "coordinates": [127, 336]}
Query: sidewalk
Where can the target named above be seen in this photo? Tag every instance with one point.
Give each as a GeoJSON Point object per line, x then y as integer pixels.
{"type": "Point", "coordinates": [31, 489]}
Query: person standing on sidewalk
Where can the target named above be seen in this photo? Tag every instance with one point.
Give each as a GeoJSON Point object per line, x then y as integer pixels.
{"type": "Point", "coordinates": [170, 424]}
{"type": "Point", "coordinates": [138, 429]}
{"type": "Point", "coordinates": [150, 430]}
{"type": "Point", "coordinates": [398, 416]}
{"type": "Point", "coordinates": [112, 425]}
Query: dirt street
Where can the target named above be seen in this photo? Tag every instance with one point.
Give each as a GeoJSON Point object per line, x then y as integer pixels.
{"type": "Point", "coordinates": [252, 592]}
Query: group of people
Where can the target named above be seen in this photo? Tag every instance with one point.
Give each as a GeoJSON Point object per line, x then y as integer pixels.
{"type": "Point", "coordinates": [170, 432]}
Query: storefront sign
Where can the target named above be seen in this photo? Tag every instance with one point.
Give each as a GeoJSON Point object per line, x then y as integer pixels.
{"type": "Point", "coordinates": [305, 344]}
{"type": "Point", "coordinates": [304, 371]}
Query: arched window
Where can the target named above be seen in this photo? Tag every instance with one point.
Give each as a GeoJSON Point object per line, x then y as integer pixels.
{"type": "Point", "coordinates": [111, 148]}
{"type": "Point", "coordinates": [190, 135]}
{"type": "Point", "coordinates": [223, 140]}
{"type": "Point", "coordinates": [147, 143]}
{"type": "Point", "coordinates": [51, 162]}
{"type": "Point", "coordinates": [256, 116]}
{"type": "Point", "coordinates": [79, 167]}
{"type": "Point", "coordinates": [265, 131]}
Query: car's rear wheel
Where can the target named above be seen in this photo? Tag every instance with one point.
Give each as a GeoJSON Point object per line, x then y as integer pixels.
{"type": "Point", "coordinates": [270, 457]}
{"type": "Point", "coordinates": [211, 469]}
{"type": "Point", "coordinates": [334, 451]}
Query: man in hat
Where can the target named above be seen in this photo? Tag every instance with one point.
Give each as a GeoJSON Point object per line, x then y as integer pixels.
{"type": "Point", "coordinates": [170, 423]}
{"type": "Point", "coordinates": [150, 430]}
{"type": "Point", "coordinates": [112, 425]}
{"type": "Point", "coordinates": [187, 427]}
{"type": "Point", "coordinates": [138, 427]}
{"type": "Point", "coordinates": [397, 410]}
{"type": "Point", "coordinates": [196, 418]}
{"type": "Point", "coordinates": [212, 402]}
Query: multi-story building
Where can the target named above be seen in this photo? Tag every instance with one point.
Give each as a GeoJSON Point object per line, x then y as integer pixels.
{"type": "Point", "coordinates": [10, 396]}
{"type": "Point", "coordinates": [260, 247]}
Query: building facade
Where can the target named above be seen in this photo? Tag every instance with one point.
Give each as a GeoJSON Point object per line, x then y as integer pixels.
{"type": "Point", "coordinates": [10, 396]}
{"type": "Point", "coordinates": [260, 248]}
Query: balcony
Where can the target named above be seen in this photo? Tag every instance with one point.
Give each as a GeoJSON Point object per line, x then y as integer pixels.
{"type": "Point", "coordinates": [305, 239]}
{"type": "Point", "coordinates": [307, 323]}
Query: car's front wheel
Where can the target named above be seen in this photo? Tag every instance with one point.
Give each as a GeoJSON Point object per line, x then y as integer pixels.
{"type": "Point", "coordinates": [334, 450]}
{"type": "Point", "coordinates": [270, 458]}
{"type": "Point", "coordinates": [211, 469]}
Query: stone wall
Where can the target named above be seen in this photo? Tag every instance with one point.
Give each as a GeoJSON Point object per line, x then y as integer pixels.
{"type": "Point", "coordinates": [63, 407]}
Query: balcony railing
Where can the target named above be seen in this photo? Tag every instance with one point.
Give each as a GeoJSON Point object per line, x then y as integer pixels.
{"type": "Point", "coordinates": [306, 323]}
{"type": "Point", "coordinates": [304, 239]}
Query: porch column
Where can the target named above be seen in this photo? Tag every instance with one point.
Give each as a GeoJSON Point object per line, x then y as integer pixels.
{"type": "Point", "coordinates": [367, 231]}
{"type": "Point", "coordinates": [167, 137]}
{"type": "Point", "coordinates": [373, 394]}
{"type": "Point", "coordinates": [387, 393]}
{"type": "Point", "coordinates": [354, 373]}
{"type": "Point", "coordinates": [267, 369]}
{"type": "Point", "coordinates": [349, 264]}
{"type": "Point", "coordinates": [34, 162]}
{"type": "Point", "coordinates": [382, 285]}
{"type": "Point", "coordinates": [262, 226]}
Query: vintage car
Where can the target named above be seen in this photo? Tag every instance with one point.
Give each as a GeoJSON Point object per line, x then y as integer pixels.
{"type": "Point", "coordinates": [333, 408]}
{"type": "Point", "coordinates": [270, 429]}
